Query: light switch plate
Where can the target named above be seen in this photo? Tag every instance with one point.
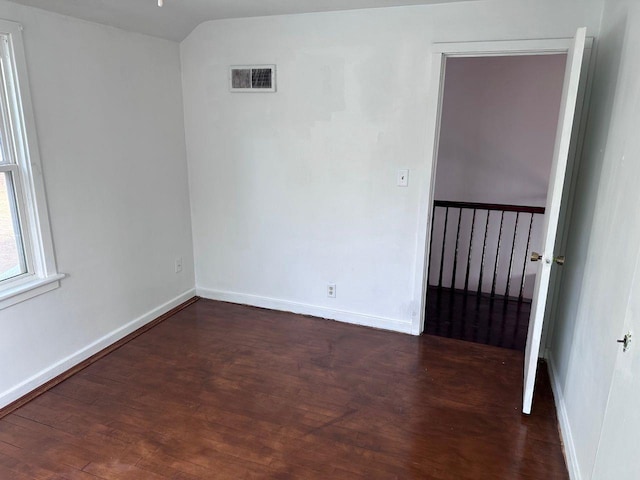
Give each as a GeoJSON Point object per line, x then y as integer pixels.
{"type": "Point", "coordinates": [403, 178]}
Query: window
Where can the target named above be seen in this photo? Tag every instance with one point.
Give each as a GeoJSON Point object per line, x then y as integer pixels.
{"type": "Point", "coordinates": [27, 266]}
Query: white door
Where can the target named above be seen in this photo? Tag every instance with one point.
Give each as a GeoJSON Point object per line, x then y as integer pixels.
{"type": "Point", "coordinates": [554, 198]}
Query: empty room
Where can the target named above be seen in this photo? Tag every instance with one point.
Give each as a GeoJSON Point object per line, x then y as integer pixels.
{"type": "Point", "coordinates": [345, 239]}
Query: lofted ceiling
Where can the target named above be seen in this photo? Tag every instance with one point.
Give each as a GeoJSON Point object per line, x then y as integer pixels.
{"type": "Point", "coordinates": [177, 18]}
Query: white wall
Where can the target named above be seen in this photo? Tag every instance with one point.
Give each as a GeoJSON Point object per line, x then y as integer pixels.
{"type": "Point", "coordinates": [296, 189]}
{"type": "Point", "coordinates": [108, 110]}
{"type": "Point", "coordinates": [602, 247]}
{"type": "Point", "coordinates": [498, 128]}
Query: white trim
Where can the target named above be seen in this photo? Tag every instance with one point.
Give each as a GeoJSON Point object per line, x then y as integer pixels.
{"type": "Point", "coordinates": [41, 231]}
{"type": "Point", "coordinates": [566, 436]}
{"type": "Point", "coordinates": [505, 47]}
{"type": "Point", "coordinates": [426, 195]}
{"type": "Point", "coordinates": [42, 377]}
{"type": "Point", "coordinates": [306, 309]}
{"type": "Point", "coordinates": [440, 51]}
{"type": "Point", "coordinates": [28, 180]}
{"type": "Point", "coordinates": [28, 288]}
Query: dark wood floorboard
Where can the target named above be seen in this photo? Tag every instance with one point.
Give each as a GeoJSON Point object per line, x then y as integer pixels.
{"type": "Point", "coordinates": [499, 321]}
{"type": "Point", "coordinates": [222, 391]}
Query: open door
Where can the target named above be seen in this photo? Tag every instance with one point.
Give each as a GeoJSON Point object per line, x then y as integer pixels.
{"type": "Point", "coordinates": [554, 198]}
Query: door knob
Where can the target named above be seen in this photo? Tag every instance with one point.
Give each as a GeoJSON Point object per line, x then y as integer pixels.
{"type": "Point", "coordinates": [559, 260]}
{"type": "Point", "coordinates": [535, 257]}
{"type": "Point", "coordinates": [626, 341]}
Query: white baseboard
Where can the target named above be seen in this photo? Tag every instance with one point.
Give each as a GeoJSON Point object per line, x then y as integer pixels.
{"type": "Point", "coordinates": [563, 420]}
{"type": "Point", "coordinates": [306, 309]}
{"type": "Point", "coordinates": [74, 359]}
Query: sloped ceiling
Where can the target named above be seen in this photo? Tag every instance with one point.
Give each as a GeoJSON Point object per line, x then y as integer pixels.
{"type": "Point", "coordinates": [177, 18]}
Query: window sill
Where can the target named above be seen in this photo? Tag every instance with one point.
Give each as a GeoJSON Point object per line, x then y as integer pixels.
{"type": "Point", "coordinates": [25, 290]}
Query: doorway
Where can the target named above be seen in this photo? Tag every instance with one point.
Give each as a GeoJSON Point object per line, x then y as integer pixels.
{"type": "Point", "coordinates": [496, 143]}
{"type": "Point", "coordinates": [569, 130]}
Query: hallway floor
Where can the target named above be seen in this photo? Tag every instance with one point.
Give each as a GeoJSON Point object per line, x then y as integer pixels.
{"type": "Point", "coordinates": [499, 322]}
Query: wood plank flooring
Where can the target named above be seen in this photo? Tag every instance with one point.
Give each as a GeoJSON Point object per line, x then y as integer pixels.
{"type": "Point", "coordinates": [222, 391]}
{"type": "Point", "coordinates": [499, 321]}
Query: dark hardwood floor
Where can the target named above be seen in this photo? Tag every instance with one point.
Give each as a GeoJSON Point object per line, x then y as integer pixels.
{"type": "Point", "coordinates": [221, 391]}
{"type": "Point", "coordinates": [499, 321]}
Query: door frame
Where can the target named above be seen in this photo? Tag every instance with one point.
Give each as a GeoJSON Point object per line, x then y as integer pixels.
{"type": "Point", "coordinates": [439, 54]}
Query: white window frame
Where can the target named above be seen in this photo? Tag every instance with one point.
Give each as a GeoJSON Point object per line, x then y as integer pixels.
{"type": "Point", "coordinates": [21, 147]}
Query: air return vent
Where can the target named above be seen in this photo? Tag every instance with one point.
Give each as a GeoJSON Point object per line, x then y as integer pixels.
{"type": "Point", "coordinates": [253, 78]}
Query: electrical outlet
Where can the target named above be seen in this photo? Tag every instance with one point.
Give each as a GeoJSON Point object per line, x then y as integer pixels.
{"type": "Point", "coordinates": [178, 265]}
{"type": "Point", "coordinates": [331, 290]}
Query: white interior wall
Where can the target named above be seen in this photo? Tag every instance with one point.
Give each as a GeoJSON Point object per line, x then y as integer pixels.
{"type": "Point", "coordinates": [293, 190]}
{"type": "Point", "coordinates": [602, 246]}
{"type": "Point", "coordinates": [108, 110]}
{"type": "Point", "coordinates": [498, 128]}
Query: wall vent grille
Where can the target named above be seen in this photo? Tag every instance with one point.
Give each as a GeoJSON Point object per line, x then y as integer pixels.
{"type": "Point", "coordinates": [252, 78]}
